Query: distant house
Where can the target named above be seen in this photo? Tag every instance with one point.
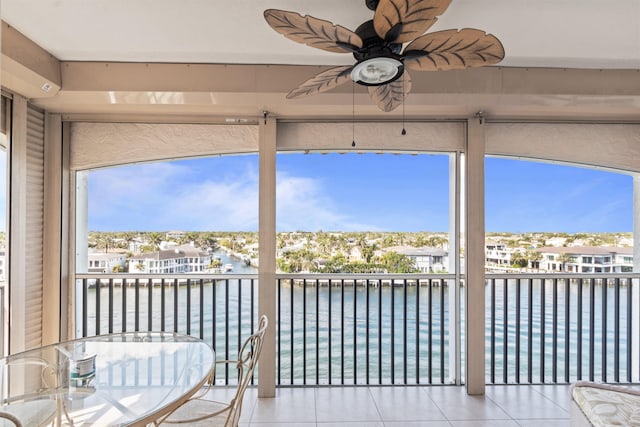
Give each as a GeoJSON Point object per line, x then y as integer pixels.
{"type": "Point", "coordinates": [137, 244]}
{"type": "Point", "coordinates": [500, 255]}
{"type": "Point", "coordinates": [180, 259]}
{"type": "Point", "coordinates": [586, 259]}
{"type": "Point", "coordinates": [101, 262]}
{"type": "Point", "coordinates": [174, 235]}
{"type": "Point", "coordinates": [425, 259]}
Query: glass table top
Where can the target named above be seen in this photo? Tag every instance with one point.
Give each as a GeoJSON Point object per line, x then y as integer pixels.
{"type": "Point", "coordinates": [133, 379]}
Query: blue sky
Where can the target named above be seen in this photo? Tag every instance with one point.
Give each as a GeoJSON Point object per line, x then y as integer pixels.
{"type": "Point", "coordinates": [353, 192]}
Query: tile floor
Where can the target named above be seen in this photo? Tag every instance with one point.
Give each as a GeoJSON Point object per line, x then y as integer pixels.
{"type": "Point", "coordinates": [502, 406]}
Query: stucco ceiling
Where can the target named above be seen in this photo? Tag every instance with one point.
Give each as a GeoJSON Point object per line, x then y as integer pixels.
{"type": "Point", "coordinates": [543, 34]}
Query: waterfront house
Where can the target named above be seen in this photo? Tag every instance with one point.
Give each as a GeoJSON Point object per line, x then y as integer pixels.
{"type": "Point", "coordinates": [425, 259]}
{"type": "Point", "coordinates": [500, 255]}
{"type": "Point", "coordinates": [89, 85]}
{"type": "Point", "coordinates": [107, 262]}
{"type": "Point", "coordinates": [586, 259]}
{"type": "Point", "coordinates": [177, 259]}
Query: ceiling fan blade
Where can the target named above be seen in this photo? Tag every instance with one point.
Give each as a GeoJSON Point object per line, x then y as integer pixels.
{"type": "Point", "coordinates": [312, 31]}
{"type": "Point", "coordinates": [453, 50]}
{"type": "Point", "coordinates": [401, 21]}
{"type": "Point", "coordinates": [388, 97]}
{"type": "Point", "coordinates": [322, 82]}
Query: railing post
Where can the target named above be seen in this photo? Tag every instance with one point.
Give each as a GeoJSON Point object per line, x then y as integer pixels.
{"type": "Point", "coordinates": [475, 260]}
{"type": "Point", "coordinates": [267, 252]}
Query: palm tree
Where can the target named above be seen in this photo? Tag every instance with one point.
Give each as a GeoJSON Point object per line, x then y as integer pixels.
{"type": "Point", "coordinates": [154, 239]}
{"type": "Point", "coordinates": [564, 259]}
{"type": "Point", "coordinates": [534, 258]}
{"type": "Point", "coordinates": [367, 251]}
{"type": "Point", "coordinates": [104, 241]}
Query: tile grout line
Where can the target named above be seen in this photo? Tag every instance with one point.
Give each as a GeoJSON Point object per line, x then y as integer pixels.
{"type": "Point", "coordinates": [375, 403]}
{"type": "Point", "coordinates": [550, 400]}
{"type": "Point", "coordinates": [501, 408]}
{"type": "Point", "coordinates": [428, 393]}
{"type": "Point", "coordinates": [315, 406]}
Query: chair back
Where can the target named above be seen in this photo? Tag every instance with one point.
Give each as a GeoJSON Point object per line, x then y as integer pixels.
{"type": "Point", "coordinates": [246, 365]}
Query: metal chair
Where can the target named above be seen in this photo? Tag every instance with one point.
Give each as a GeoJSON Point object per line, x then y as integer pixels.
{"type": "Point", "coordinates": [30, 413]}
{"type": "Point", "coordinates": [201, 411]}
{"type": "Point", "coordinates": [11, 418]}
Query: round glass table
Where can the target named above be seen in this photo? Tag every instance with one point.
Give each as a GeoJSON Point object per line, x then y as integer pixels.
{"type": "Point", "coordinates": [128, 379]}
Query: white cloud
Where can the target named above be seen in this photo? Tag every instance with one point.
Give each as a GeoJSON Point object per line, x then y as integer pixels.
{"type": "Point", "coordinates": [304, 204]}
{"type": "Point", "coordinates": [166, 196]}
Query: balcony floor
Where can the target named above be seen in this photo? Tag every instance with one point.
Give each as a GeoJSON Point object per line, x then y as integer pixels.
{"type": "Point", "coordinates": [434, 406]}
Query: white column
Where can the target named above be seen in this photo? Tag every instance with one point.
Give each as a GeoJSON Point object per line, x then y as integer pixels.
{"type": "Point", "coordinates": [81, 238]}
{"type": "Point", "coordinates": [475, 283]}
{"type": "Point", "coordinates": [267, 253]}
{"type": "Point", "coordinates": [454, 267]}
{"type": "Point", "coordinates": [17, 254]}
{"type": "Point", "coordinates": [67, 260]}
{"type": "Point", "coordinates": [635, 340]}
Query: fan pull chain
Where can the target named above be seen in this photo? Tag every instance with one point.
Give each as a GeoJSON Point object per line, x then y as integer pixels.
{"type": "Point", "coordinates": [353, 113]}
{"type": "Point", "coordinates": [404, 131]}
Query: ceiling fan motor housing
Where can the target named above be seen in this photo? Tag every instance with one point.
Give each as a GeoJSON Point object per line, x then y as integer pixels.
{"type": "Point", "coordinates": [381, 58]}
{"type": "Point", "coordinates": [372, 4]}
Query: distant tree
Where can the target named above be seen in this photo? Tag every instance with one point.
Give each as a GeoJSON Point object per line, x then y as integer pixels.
{"type": "Point", "coordinates": [368, 251]}
{"type": "Point", "coordinates": [564, 258]}
{"type": "Point", "coordinates": [437, 242]}
{"type": "Point", "coordinates": [103, 241]}
{"type": "Point", "coordinates": [520, 262]}
{"type": "Point", "coordinates": [154, 238]}
{"type": "Point", "coordinates": [397, 263]}
{"type": "Point", "coordinates": [388, 241]}
{"type": "Point", "coordinates": [534, 258]}
{"type": "Point", "coordinates": [189, 237]}
{"type": "Point", "coordinates": [281, 239]}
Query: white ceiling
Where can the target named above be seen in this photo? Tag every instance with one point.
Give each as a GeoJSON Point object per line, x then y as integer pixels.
{"type": "Point", "coordinates": [542, 33]}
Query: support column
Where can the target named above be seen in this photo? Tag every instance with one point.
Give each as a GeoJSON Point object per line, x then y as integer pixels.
{"type": "Point", "coordinates": [475, 283]}
{"type": "Point", "coordinates": [635, 340]}
{"type": "Point", "coordinates": [52, 240]}
{"type": "Point", "coordinates": [16, 228]}
{"type": "Point", "coordinates": [80, 262]}
{"type": "Point", "coordinates": [454, 267]}
{"type": "Point", "coordinates": [267, 253]}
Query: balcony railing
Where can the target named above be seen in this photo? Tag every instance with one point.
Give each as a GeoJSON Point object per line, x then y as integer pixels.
{"type": "Point", "coordinates": [386, 329]}
{"type": "Point", "coordinates": [559, 328]}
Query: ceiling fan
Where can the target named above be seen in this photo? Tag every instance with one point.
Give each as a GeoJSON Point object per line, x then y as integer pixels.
{"type": "Point", "coordinates": [378, 45]}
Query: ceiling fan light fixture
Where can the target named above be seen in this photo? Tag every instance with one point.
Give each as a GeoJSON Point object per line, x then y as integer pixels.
{"type": "Point", "coordinates": [377, 71]}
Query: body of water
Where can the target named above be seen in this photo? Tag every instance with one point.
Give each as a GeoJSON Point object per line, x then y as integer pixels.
{"type": "Point", "coordinates": [341, 334]}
